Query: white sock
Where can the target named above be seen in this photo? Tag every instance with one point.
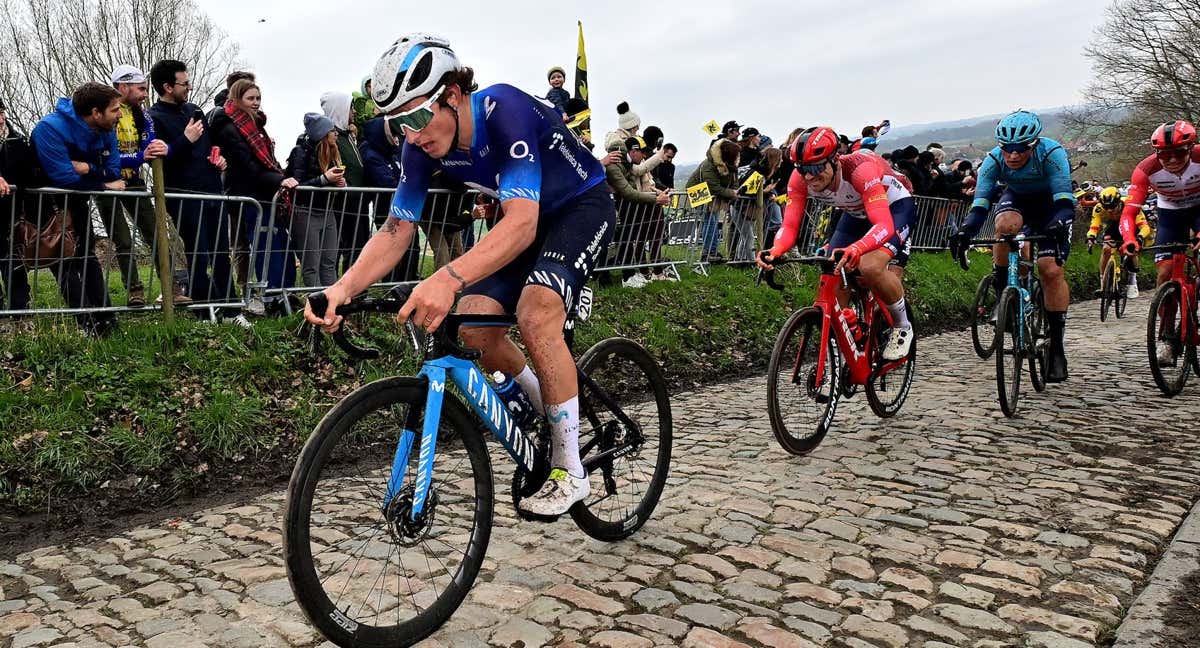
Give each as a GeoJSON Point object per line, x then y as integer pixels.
{"type": "Point", "coordinates": [564, 436]}
{"type": "Point", "coordinates": [899, 314]}
{"type": "Point", "coordinates": [532, 388]}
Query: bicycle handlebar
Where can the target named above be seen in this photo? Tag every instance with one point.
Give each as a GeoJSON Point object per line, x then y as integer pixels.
{"type": "Point", "coordinates": [445, 338]}
{"type": "Point", "coordinates": [827, 264]}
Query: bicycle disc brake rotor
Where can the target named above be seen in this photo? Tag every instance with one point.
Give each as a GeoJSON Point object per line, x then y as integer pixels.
{"type": "Point", "coordinates": [405, 530]}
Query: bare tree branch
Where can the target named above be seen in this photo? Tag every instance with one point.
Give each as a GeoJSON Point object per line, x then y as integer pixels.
{"type": "Point", "coordinates": [53, 46]}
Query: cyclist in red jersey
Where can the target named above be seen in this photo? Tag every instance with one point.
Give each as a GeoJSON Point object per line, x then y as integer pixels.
{"type": "Point", "coordinates": [1173, 171]}
{"type": "Point", "coordinates": [878, 212]}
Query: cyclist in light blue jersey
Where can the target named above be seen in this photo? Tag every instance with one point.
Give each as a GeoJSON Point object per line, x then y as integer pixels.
{"type": "Point", "coordinates": [1037, 197]}
{"type": "Point", "coordinates": [557, 219]}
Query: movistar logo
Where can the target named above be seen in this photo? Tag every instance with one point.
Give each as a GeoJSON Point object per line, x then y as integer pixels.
{"type": "Point", "coordinates": [489, 104]}
{"type": "Point", "coordinates": [437, 386]}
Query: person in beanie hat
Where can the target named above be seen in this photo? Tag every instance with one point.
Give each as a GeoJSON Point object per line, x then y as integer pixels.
{"type": "Point", "coordinates": [628, 124]}
{"type": "Point", "coordinates": [556, 94]}
{"type": "Point", "coordinates": [316, 161]}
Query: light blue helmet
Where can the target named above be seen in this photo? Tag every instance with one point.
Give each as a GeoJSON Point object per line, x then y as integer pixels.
{"type": "Point", "coordinates": [1020, 127]}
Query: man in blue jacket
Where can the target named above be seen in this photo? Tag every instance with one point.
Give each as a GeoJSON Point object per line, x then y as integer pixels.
{"type": "Point", "coordinates": [191, 167]}
{"type": "Point", "coordinates": [77, 148]}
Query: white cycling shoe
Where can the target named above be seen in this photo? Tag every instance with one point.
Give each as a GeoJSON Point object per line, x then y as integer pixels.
{"type": "Point", "coordinates": [898, 344]}
{"type": "Point", "coordinates": [558, 494]}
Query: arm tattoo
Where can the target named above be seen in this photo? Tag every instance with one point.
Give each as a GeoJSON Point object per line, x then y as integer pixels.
{"type": "Point", "coordinates": [391, 225]}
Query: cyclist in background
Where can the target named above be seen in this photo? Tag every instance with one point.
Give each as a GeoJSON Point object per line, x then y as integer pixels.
{"type": "Point", "coordinates": [1173, 171]}
{"type": "Point", "coordinates": [1038, 196]}
{"type": "Point", "coordinates": [872, 234]}
{"type": "Point", "coordinates": [1106, 216]}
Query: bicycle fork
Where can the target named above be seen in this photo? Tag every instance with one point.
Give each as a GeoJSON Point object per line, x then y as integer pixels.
{"type": "Point", "coordinates": [436, 380]}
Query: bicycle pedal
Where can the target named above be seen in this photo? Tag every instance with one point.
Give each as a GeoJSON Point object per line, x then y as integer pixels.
{"type": "Point", "coordinates": [530, 517]}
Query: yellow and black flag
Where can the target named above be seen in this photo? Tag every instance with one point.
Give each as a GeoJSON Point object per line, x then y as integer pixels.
{"type": "Point", "coordinates": [581, 86]}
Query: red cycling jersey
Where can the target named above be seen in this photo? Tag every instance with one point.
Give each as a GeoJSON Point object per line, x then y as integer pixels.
{"type": "Point", "coordinates": [867, 189]}
{"type": "Point", "coordinates": [1174, 191]}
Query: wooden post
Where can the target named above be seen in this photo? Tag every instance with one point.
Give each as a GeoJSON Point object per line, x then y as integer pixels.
{"type": "Point", "coordinates": [166, 280]}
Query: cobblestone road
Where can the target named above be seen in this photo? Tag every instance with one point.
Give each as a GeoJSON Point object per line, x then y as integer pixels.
{"type": "Point", "coordinates": [949, 525]}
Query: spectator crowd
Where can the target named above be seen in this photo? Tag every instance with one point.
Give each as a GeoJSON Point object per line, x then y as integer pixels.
{"type": "Point", "coordinates": [236, 221]}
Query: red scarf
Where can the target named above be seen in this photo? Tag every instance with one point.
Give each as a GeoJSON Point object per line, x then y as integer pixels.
{"type": "Point", "coordinates": [260, 145]}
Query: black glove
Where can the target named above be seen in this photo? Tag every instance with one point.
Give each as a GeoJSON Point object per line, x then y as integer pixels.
{"type": "Point", "coordinates": [958, 244]}
{"type": "Point", "coordinates": [1060, 234]}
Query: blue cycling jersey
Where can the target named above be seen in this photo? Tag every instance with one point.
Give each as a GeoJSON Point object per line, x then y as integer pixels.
{"type": "Point", "coordinates": [1046, 172]}
{"type": "Point", "coordinates": [520, 149]}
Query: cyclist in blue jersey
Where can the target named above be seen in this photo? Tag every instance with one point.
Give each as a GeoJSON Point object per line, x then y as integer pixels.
{"type": "Point", "coordinates": [1037, 197]}
{"type": "Point", "coordinates": [558, 217]}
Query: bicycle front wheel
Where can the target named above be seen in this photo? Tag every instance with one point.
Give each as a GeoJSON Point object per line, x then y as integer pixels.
{"type": "Point", "coordinates": [1108, 282]}
{"type": "Point", "coordinates": [983, 332]}
{"type": "Point", "coordinates": [625, 438]}
{"type": "Point", "coordinates": [1009, 354]}
{"type": "Point", "coordinates": [368, 574]}
{"type": "Point", "coordinates": [1121, 283]}
{"type": "Point", "coordinates": [800, 404]}
{"type": "Point", "coordinates": [1164, 339]}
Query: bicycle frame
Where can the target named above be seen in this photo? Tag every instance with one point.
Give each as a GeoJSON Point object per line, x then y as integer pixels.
{"type": "Point", "coordinates": [1180, 262]}
{"type": "Point", "coordinates": [857, 359]}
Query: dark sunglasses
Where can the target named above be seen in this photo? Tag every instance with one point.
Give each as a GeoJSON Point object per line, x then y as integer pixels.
{"type": "Point", "coordinates": [1175, 153]}
{"type": "Point", "coordinates": [1018, 148]}
{"type": "Point", "coordinates": [813, 169]}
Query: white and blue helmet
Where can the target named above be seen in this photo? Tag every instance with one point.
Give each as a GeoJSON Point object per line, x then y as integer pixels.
{"type": "Point", "coordinates": [411, 68]}
{"type": "Point", "coordinates": [1020, 127]}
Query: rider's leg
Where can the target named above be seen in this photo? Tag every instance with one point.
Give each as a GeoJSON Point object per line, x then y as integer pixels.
{"type": "Point", "coordinates": [1007, 222]}
{"type": "Point", "coordinates": [1057, 298]}
{"type": "Point", "coordinates": [887, 286]}
{"type": "Point", "coordinates": [499, 352]}
{"type": "Point", "coordinates": [541, 317]}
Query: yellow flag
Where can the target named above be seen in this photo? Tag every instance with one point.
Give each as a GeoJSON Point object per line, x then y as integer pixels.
{"type": "Point", "coordinates": [712, 128]}
{"type": "Point", "coordinates": [581, 86]}
{"type": "Point", "coordinates": [753, 184]}
{"type": "Point", "coordinates": [699, 195]}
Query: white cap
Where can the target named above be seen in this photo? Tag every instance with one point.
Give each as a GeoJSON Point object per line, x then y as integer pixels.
{"type": "Point", "coordinates": [128, 74]}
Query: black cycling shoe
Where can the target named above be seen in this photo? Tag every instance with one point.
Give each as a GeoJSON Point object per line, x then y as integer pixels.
{"type": "Point", "coordinates": [1057, 371]}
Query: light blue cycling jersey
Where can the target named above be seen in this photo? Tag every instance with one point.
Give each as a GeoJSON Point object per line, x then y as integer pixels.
{"type": "Point", "coordinates": [1047, 172]}
{"type": "Point", "coordinates": [520, 149]}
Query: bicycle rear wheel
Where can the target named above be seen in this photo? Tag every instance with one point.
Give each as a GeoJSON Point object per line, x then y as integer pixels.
{"type": "Point", "coordinates": [1039, 337]}
{"type": "Point", "coordinates": [1108, 283]}
{"type": "Point", "coordinates": [1164, 330]}
{"type": "Point", "coordinates": [801, 409]}
{"type": "Point", "coordinates": [1009, 354]}
{"type": "Point", "coordinates": [886, 392]}
{"type": "Point", "coordinates": [628, 465]}
{"type": "Point", "coordinates": [983, 332]}
{"type": "Point", "coordinates": [370, 575]}
{"type": "Point", "coordinates": [1121, 283]}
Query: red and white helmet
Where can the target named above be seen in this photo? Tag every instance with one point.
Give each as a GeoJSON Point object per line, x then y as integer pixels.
{"type": "Point", "coordinates": [814, 146]}
{"type": "Point", "coordinates": [1173, 135]}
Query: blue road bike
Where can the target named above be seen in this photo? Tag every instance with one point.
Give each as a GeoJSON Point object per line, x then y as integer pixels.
{"type": "Point", "coordinates": [1022, 333]}
{"type": "Point", "coordinates": [389, 509]}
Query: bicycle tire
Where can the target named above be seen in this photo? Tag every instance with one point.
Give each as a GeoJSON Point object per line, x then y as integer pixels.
{"type": "Point", "coordinates": [806, 323]}
{"type": "Point", "coordinates": [981, 312]}
{"type": "Point", "coordinates": [627, 471]}
{"type": "Point", "coordinates": [312, 591]}
{"type": "Point", "coordinates": [1167, 297]}
{"type": "Point", "coordinates": [1039, 337]}
{"type": "Point", "coordinates": [1106, 289]}
{"type": "Point", "coordinates": [1121, 297]}
{"type": "Point", "coordinates": [877, 384]}
{"type": "Point", "coordinates": [1008, 375]}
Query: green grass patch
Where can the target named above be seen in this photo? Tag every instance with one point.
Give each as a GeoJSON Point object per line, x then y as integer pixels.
{"type": "Point", "coordinates": [184, 407]}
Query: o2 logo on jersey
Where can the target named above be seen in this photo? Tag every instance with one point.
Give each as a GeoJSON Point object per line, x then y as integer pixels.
{"type": "Point", "coordinates": [520, 149]}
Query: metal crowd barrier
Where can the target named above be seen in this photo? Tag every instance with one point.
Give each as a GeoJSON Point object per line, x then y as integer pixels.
{"type": "Point", "coordinates": [112, 267]}
{"type": "Point", "coordinates": [651, 237]}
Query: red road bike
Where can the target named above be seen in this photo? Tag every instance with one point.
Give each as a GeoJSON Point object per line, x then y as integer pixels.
{"type": "Point", "coordinates": [824, 353]}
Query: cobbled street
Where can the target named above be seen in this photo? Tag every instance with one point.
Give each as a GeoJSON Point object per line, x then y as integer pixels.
{"type": "Point", "coordinates": [948, 525]}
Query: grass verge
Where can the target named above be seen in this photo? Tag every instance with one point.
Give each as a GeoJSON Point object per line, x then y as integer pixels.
{"type": "Point", "coordinates": [157, 411]}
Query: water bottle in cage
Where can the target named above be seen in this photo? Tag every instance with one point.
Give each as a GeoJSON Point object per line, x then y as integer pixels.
{"type": "Point", "coordinates": [516, 400]}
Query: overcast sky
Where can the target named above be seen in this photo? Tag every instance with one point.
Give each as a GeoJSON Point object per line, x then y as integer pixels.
{"type": "Point", "coordinates": [770, 64]}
